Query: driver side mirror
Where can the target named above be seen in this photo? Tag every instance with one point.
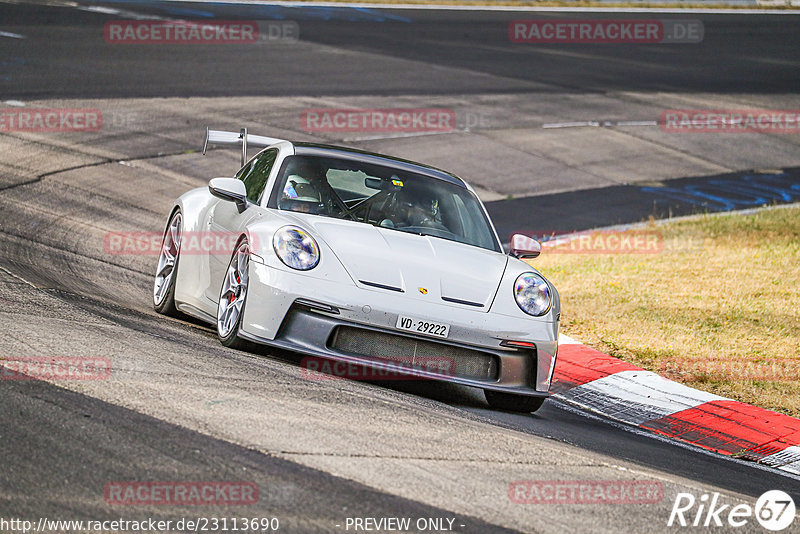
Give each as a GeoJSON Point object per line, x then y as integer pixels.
{"type": "Point", "coordinates": [523, 247]}
{"type": "Point", "coordinates": [229, 189]}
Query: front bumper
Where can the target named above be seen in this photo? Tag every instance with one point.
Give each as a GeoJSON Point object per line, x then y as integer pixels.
{"type": "Point", "coordinates": [301, 313]}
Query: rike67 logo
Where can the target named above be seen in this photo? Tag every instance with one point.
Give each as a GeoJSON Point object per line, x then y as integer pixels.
{"type": "Point", "coordinates": [774, 510]}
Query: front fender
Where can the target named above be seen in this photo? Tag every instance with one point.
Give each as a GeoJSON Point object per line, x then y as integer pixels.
{"type": "Point", "coordinates": [193, 272]}
{"type": "Point", "coordinates": [262, 230]}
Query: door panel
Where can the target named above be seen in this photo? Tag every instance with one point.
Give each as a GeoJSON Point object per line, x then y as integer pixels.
{"type": "Point", "coordinates": [226, 224]}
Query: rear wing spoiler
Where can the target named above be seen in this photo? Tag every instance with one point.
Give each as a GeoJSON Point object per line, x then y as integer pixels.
{"type": "Point", "coordinates": [221, 137]}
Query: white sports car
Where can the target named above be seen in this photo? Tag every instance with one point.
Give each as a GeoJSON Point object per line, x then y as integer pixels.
{"type": "Point", "coordinates": [366, 259]}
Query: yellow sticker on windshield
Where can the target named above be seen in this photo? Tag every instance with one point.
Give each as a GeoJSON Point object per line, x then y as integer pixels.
{"type": "Point", "coordinates": [398, 183]}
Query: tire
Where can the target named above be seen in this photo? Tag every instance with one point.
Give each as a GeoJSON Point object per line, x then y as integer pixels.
{"type": "Point", "coordinates": [233, 297]}
{"type": "Point", "coordinates": [508, 402]}
{"type": "Point", "coordinates": [167, 269]}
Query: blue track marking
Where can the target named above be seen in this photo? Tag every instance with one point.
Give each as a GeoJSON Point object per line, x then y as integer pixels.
{"type": "Point", "coordinates": [561, 213]}
{"type": "Point", "coordinates": [745, 191]}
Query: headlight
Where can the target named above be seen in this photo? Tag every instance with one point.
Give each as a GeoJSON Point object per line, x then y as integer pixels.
{"type": "Point", "coordinates": [296, 248]}
{"type": "Point", "coordinates": [532, 294]}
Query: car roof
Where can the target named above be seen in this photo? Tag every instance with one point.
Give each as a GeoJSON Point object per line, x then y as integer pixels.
{"type": "Point", "coordinates": [315, 149]}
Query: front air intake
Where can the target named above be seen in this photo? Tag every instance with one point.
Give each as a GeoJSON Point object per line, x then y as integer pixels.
{"type": "Point", "coordinates": [460, 362]}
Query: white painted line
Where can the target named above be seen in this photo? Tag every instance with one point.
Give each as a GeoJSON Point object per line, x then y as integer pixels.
{"type": "Point", "coordinates": [15, 103]}
{"type": "Point", "coordinates": [575, 124]}
{"type": "Point", "coordinates": [596, 124]}
{"type": "Point", "coordinates": [12, 35]}
{"type": "Point", "coordinates": [637, 396]}
{"type": "Point", "coordinates": [637, 123]}
{"type": "Point", "coordinates": [564, 339]}
{"type": "Point", "coordinates": [133, 15]}
{"type": "Point", "coordinates": [541, 9]}
{"type": "Point", "coordinates": [100, 9]}
{"type": "Point", "coordinates": [792, 468]}
{"type": "Point", "coordinates": [564, 405]}
{"type": "Point", "coordinates": [788, 459]}
{"type": "Point", "coordinates": [394, 136]}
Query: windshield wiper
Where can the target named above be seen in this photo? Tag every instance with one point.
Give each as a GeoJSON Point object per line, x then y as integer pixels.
{"type": "Point", "coordinates": [418, 230]}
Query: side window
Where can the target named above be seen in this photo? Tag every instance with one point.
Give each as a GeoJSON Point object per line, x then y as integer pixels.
{"type": "Point", "coordinates": [256, 172]}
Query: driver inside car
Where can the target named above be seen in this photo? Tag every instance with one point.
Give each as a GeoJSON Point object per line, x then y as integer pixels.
{"type": "Point", "coordinates": [300, 193]}
{"type": "Point", "coordinates": [412, 208]}
{"type": "Point", "coordinates": [425, 213]}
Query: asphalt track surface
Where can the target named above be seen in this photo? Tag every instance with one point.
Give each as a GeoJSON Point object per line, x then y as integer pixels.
{"type": "Point", "coordinates": [180, 406]}
{"type": "Point", "coordinates": [741, 54]}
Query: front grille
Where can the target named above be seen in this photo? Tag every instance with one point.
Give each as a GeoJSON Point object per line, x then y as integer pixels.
{"type": "Point", "coordinates": [417, 353]}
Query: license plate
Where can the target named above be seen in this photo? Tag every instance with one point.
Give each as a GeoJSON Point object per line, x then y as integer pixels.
{"type": "Point", "coordinates": [422, 326]}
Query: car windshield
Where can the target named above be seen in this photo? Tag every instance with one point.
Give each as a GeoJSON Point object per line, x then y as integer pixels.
{"type": "Point", "coordinates": [382, 196]}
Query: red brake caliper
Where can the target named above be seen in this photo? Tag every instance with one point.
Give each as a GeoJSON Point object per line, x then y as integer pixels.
{"type": "Point", "coordinates": [238, 281]}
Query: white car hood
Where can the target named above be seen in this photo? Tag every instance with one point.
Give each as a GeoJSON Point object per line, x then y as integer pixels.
{"type": "Point", "coordinates": [424, 267]}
